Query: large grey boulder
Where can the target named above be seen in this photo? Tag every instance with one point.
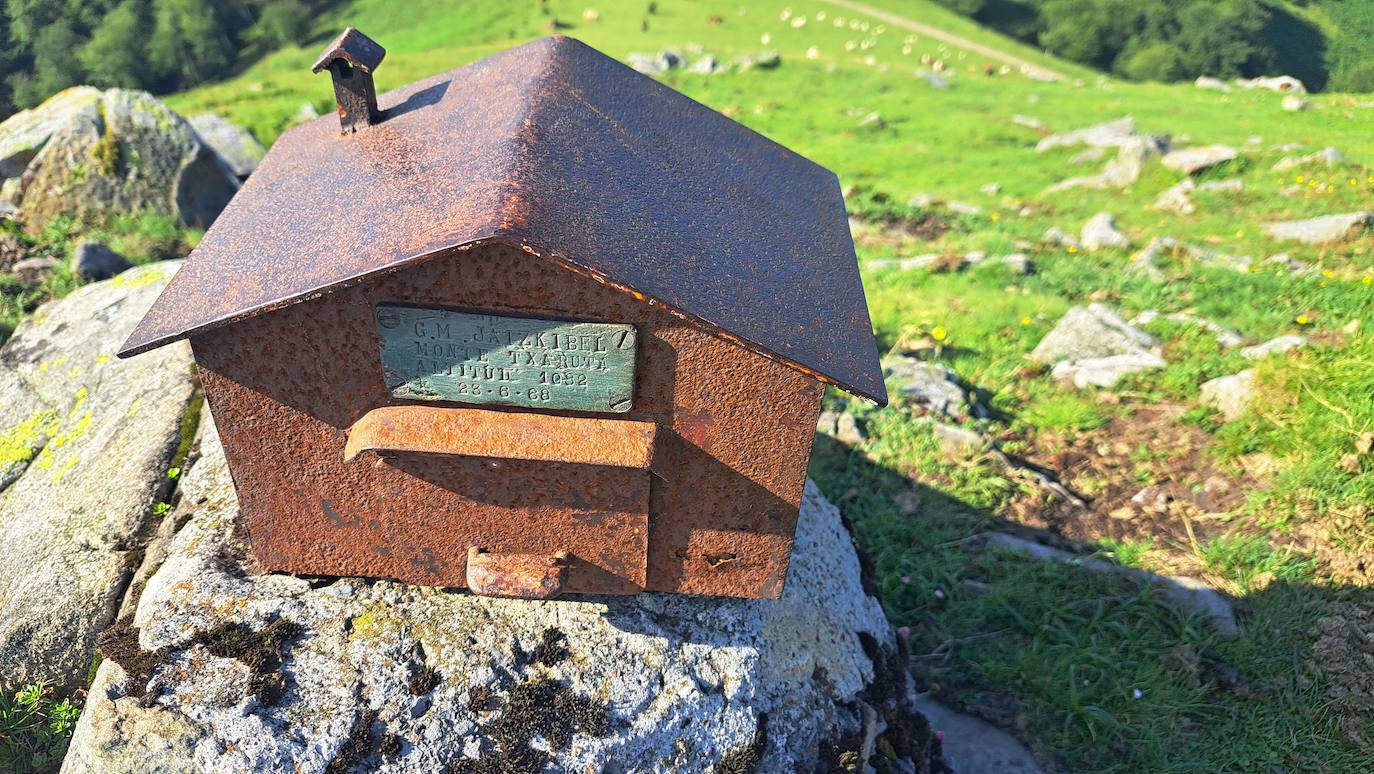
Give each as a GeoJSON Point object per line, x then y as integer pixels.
{"type": "Point", "coordinates": [236, 147]}
{"type": "Point", "coordinates": [1328, 228]}
{"type": "Point", "coordinates": [24, 134]}
{"type": "Point", "coordinates": [125, 152]}
{"type": "Point", "coordinates": [392, 678]}
{"type": "Point", "coordinates": [85, 441]}
{"type": "Point", "coordinates": [1093, 331]}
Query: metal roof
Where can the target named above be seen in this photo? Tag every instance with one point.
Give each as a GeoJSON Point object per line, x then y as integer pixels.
{"type": "Point", "coordinates": [574, 157]}
{"type": "Point", "coordinates": [353, 47]}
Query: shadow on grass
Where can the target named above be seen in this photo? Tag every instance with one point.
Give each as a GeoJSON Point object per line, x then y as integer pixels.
{"type": "Point", "coordinates": [1092, 671]}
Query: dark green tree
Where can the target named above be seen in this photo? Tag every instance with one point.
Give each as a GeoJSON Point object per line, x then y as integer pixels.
{"type": "Point", "coordinates": [114, 54]}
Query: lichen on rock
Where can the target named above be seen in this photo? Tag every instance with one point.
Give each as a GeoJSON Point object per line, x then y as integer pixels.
{"type": "Point", "coordinates": [381, 676]}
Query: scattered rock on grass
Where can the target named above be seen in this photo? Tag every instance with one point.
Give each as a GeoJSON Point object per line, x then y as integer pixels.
{"type": "Point", "coordinates": [1225, 336]}
{"type": "Point", "coordinates": [1230, 395]}
{"type": "Point", "coordinates": [1110, 134]}
{"type": "Point", "coordinates": [34, 271]}
{"type": "Point", "coordinates": [1177, 198]}
{"type": "Point", "coordinates": [842, 426]}
{"type": "Point", "coordinates": [1293, 265]}
{"type": "Point", "coordinates": [1122, 170]}
{"type": "Point", "coordinates": [1213, 84]}
{"type": "Point", "coordinates": [1188, 596]}
{"type": "Point", "coordinates": [96, 261]}
{"type": "Point", "coordinates": [1280, 83]}
{"type": "Point", "coordinates": [930, 385]}
{"type": "Point", "coordinates": [1294, 104]}
{"type": "Point", "coordinates": [1100, 232]}
{"type": "Point", "coordinates": [1193, 160]}
{"type": "Point", "coordinates": [11, 251]}
{"type": "Point", "coordinates": [1019, 263]}
{"type": "Point", "coordinates": [1105, 371]}
{"type": "Point", "coordinates": [958, 441]}
{"type": "Point", "coordinates": [1088, 332]}
{"type": "Point", "coordinates": [1058, 236]}
{"type": "Point", "coordinates": [1329, 157]}
{"type": "Point", "coordinates": [1328, 228]}
{"type": "Point", "coordinates": [1274, 346]}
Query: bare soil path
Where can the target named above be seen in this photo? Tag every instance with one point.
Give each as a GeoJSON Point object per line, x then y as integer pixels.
{"type": "Point", "coordinates": [1029, 69]}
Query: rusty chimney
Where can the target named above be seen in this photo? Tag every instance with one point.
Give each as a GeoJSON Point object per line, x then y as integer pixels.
{"type": "Point", "coordinates": [351, 58]}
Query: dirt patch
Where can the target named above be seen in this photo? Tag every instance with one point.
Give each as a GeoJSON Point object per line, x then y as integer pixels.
{"type": "Point", "coordinates": [1344, 652]}
{"type": "Point", "coordinates": [1146, 475]}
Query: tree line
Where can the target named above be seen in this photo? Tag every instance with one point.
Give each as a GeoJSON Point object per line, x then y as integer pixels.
{"type": "Point", "coordinates": [1174, 40]}
{"type": "Point", "coordinates": [158, 45]}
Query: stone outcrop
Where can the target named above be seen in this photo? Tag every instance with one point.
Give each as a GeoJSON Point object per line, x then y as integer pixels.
{"type": "Point", "coordinates": [1101, 232]}
{"type": "Point", "coordinates": [1093, 347]}
{"type": "Point", "coordinates": [229, 671]}
{"type": "Point", "coordinates": [237, 148]}
{"type": "Point", "coordinates": [1193, 160]}
{"type": "Point", "coordinates": [85, 443]}
{"type": "Point", "coordinates": [89, 154]}
{"type": "Point", "coordinates": [1328, 228]}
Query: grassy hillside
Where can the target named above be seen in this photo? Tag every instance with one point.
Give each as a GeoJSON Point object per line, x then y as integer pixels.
{"type": "Point", "coordinates": [1091, 670]}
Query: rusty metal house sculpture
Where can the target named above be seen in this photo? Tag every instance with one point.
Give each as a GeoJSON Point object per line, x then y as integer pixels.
{"type": "Point", "coordinates": [537, 325]}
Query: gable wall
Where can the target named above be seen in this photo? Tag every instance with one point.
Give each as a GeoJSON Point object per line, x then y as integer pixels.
{"type": "Point", "coordinates": [735, 436]}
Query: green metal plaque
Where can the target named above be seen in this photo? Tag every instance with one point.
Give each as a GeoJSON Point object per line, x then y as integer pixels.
{"type": "Point", "coordinates": [439, 354]}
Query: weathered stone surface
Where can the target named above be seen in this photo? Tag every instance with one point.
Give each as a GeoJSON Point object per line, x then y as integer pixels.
{"type": "Point", "coordinates": [85, 441]}
{"type": "Point", "coordinates": [930, 385]}
{"type": "Point", "coordinates": [1295, 104]}
{"type": "Point", "coordinates": [1105, 371]}
{"type": "Point", "coordinates": [1230, 395]}
{"type": "Point", "coordinates": [34, 271]}
{"type": "Point", "coordinates": [1328, 228]}
{"type": "Point", "coordinates": [1101, 232]}
{"type": "Point", "coordinates": [96, 261]}
{"type": "Point", "coordinates": [1055, 235]}
{"type": "Point", "coordinates": [126, 152]}
{"type": "Point", "coordinates": [1188, 596]}
{"type": "Point", "coordinates": [1123, 170]}
{"type": "Point", "coordinates": [637, 684]}
{"type": "Point", "coordinates": [237, 148]}
{"type": "Point", "coordinates": [11, 251]}
{"type": "Point", "coordinates": [1214, 84]}
{"type": "Point", "coordinates": [1328, 157]}
{"type": "Point", "coordinates": [1091, 332]}
{"type": "Point", "coordinates": [1110, 134]}
{"type": "Point", "coordinates": [1177, 198]}
{"type": "Point", "coordinates": [1274, 346]}
{"type": "Point", "coordinates": [840, 425]}
{"type": "Point", "coordinates": [24, 134]}
{"type": "Point", "coordinates": [1019, 263]}
{"type": "Point", "coordinates": [1281, 83]}
{"type": "Point", "coordinates": [1194, 160]}
{"type": "Point", "coordinates": [975, 747]}
{"type": "Point", "coordinates": [1225, 336]}
{"type": "Point", "coordinates": [958, 441]}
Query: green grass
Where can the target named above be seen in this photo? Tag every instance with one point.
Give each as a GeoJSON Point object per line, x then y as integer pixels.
{"type": "Point", "coordinates": [34, 728]}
